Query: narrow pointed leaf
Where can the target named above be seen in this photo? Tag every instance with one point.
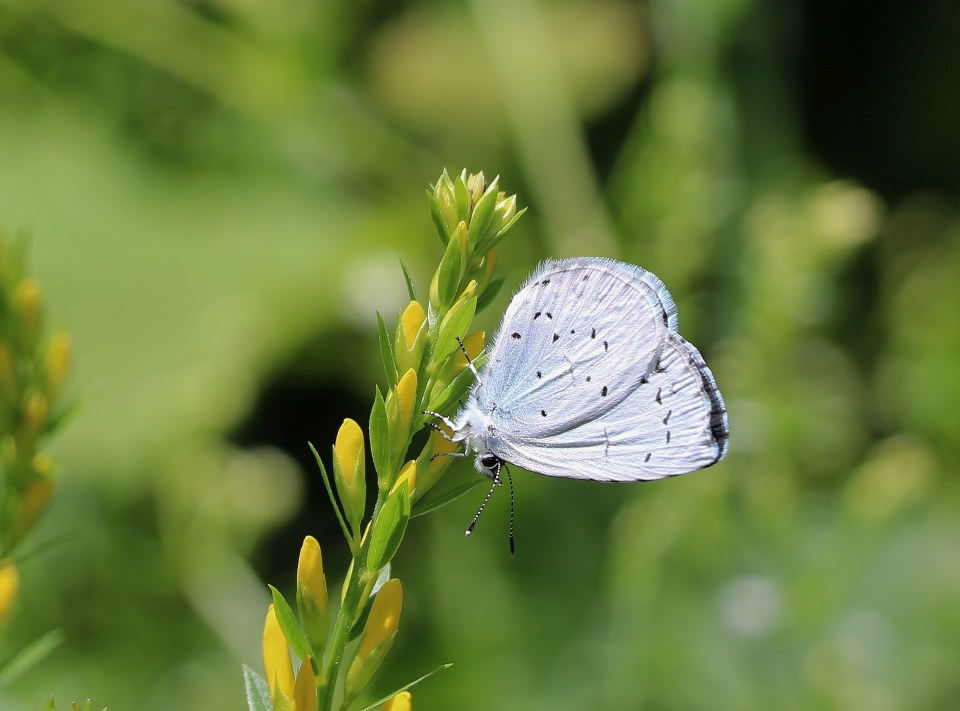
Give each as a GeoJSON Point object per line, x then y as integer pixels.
{"type": "Point", "coordinates": [411, 292]}
{"type": "Point", "coordinates": [455, 324]}
{"type": "Point", "coordinates": [333, 501]}
{"type": "Point", "coordinates": [386, 352]}
{"type": "Point", "coordinates": [258, 695]}
{"type": "Point", "coordinates": [376, 704]}
{"type": "Point", "coordinates": [488, 295]}
{"type": "Point", "coordinates": [26, 658]}
{"type": "Point", "coordinates": [380, 436]}
{"type": "Point", "coordinates": [447, 497]}
{"type": "Point", "coordinates": [288, 625]}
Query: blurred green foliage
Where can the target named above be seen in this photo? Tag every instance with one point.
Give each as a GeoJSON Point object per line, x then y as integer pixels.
{"type": "Point", "coordinates": [216, 194]}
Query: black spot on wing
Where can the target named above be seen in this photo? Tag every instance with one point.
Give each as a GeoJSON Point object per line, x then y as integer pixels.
{"type": "Point", "coordinates": [593, 333]}
{"type": "Point", "coordinates": [536, 315]}
{"type": "Point", "coordinates": [667, 418]}
{"type": "Point", "coordinates": [555, 338]}
{"type": "Point", "coordinates": [603, 393]}
{"type": "Point", "coordinates": [606, 346]}
{"type": "Point", "coordinates": [515, 336]}
{"type": "Point", "coordinates": [539, 374]}
{"type": "Point", "coordinates": [543, 412]}
{"type": "Point", "coordinates": [657, 398]}
{"type": "Point", "coordinates": [647, 458]}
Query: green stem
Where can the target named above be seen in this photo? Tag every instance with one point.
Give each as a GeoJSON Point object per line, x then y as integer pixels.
{"type": "Point", "coordinates": [353, 600]}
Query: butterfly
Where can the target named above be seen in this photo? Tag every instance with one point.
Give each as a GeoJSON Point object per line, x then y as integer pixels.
{"type": "Point", "coordinates": [588, 378]}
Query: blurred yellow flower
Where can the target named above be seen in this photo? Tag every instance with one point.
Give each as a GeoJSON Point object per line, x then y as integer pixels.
{"type": "Point", "coordinates": [28, 299]}
{"type": "Point", "coordinates": [56, 364]}
{"type": "Point", "coordinates": [9, 584]}
{"type": "Point", "coordinates": [277, 666]}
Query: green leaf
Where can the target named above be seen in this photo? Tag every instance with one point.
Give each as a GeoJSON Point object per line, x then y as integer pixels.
{"type": "Point", "coordinates": [333, 501]}
{"type": "Point", "coordinates": [449, 496]}
{"type": "Point", "coordinates": [449, 271]}
{"type": "Point", "coordinates": [358, 625]}
{"type": "Point", "coordinates": [288, 624]}
{"type": "Point", "coordinates": [26, 658]}
{"type": "Point", "coordinates": [388, 528]}
{"type": "Point", "coordinates": [380, 437]}
{"type": "Point", "coordinates": [258, 695]}
{"type": "Point", "coordinates": [411, 292]}
{"type": "Point", "coordinates": [496, 239]}
{"type": "Point", "coordinates": [457, 388]}
{"type": "Point", "coordinates": [437, 217]}
{"type": "Point", "coordinates": [376, 704]}
{"type": "Point", "coordinates": [461, 196]}
{"type": "Point", "coordinates": [453, 326]}
{"type": "Point", "coordinates": [493, 288]}
{"type": "Point", "coordinates": [483, 213]}
{"type": "Point", "coordinates": [386, 352]}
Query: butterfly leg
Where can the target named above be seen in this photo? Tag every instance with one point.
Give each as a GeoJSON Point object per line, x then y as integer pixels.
{"type": "Point", "coordinates": [438, 428]}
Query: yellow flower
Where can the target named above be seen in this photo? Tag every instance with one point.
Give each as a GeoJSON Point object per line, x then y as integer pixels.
{"type": "Point", "coordinates": [406, 398]}
{"type": "Point", "coordinates": [36, 495]}
{"type": "Point", "coordinates": [433, 461]}
{"type": "Point", "coordinates": [305, 688]}
{"type": "Point", "coordinates": [409, 475]}
{"type": "Point", "coordinates": [56, 364]}
{"type": "Point", "coordinates": [9, 584]}
{"type": "Point", "coordinates": [411, 320]}
{"type": "Point", "coordinates": [312, 593]}
{"type": "Point", "coordinates": [398, 702]}
{"type": "Point", "coordinates": [34, 415]}
{"type": "Point", "coordinates": [349, 472]}
{"type": "Point", "coordinates": [277, 666]}
{"type": "Point", "coordinates": [378, 635]}
{"type": "Point", "coordinates": [28, 299]}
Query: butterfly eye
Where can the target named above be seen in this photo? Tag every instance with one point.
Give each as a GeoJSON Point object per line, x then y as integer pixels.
{"type": "Point", "coordinates": [488, 461]}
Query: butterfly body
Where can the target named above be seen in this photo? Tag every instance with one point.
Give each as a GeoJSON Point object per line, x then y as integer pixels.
{"type": "Point", "coordinates": [588, 378]}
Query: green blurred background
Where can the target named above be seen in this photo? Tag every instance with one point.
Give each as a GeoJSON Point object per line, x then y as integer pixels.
{"type": "Point", "coordinates": [216, 195]}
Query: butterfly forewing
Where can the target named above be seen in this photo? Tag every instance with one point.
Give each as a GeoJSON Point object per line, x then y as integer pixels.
{"type": "Point", "coordinates": [577, 338]}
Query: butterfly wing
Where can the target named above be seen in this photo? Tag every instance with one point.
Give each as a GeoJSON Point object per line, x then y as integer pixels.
{"type": "Point", "coordinates": [590, 380]}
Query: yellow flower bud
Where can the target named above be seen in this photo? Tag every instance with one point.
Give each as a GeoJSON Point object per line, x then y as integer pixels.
{"type": "Point", "coordinates": [406, 398]}
{"type": "Point", "coordinates": [305, 688]}
{"type": "Point", "coordinates": [312, 594]}
{"type": "Point", "coordinates": [56, 364]}
{"type": "Point", "coordinates": [473, 345]}
{"type": "Point", "coordinates": [410, 321]}
{"type": "Point", "coordinates": [432, 462]}
{"type": "Point", "coordinates": [33, 501]}
{"type": "Point", "coordinates": [398, 702]}
{"type": "Point", "coordinates": [490, 264]}
{"type": "Point", "coordinates": [34, 416]}
{"type": "Point", "coordinates": [9, 584]}
{"type": "Point", "coordinates": [409, 475]}
{"type": "Point", "coordinates": [506, 209]}
{"type": "Point", "coordinates": [476, 185]}
{"type": "Point", "coordinates": [28, 300]}
{"type": "Point", "coordinates": [277, 666]}
{"type": "Point", "coordinates": [378, 635]}
{"type": "Point", "coordinates": [349, 472]}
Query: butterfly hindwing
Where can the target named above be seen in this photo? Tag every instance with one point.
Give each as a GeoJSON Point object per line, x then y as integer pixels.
{"type": "Point", "coordinates": [673, 423]}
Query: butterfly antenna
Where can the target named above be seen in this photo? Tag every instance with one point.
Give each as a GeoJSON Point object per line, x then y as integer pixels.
{"type": "Point", "coordinates": [470, 364]}
{"type": "Point", "coordinates": [473, 523]}
{"type": "Point", "coordinates": [513, 548]}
